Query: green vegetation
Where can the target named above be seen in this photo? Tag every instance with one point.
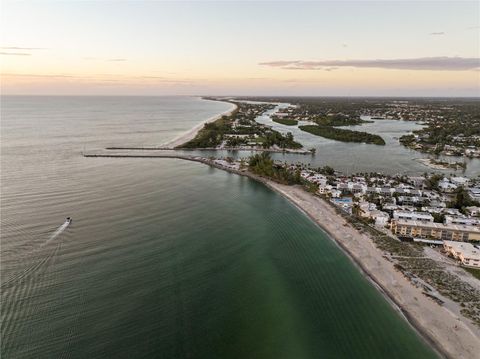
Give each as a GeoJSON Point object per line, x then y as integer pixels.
{"type": "Point", "coordinates": [407, 140]}
{"type": "Point", "coordinates": [210, 135]}
{"type": "Point", "coordinates": [462, 199]}
{"type": "Point", "coordinates": [438, 217]}
{"type": "Point", "coordinates": [409, 259]}
{"type": "Point", "coordinates": [285, 121]}
{"type": "Point", "coordinates": [343, 135]}
{"type": "Point", "coordinates": [339, 120]}
{"type": "Point", "coordinates": [432, 181]}
{"type": "Point", "coordinates": [475, 272]}
{"type": "Point", "coordinates": [263, 165]}
{"type": "Point", "coordinates": [327, 170]}
{"type": "Point", "coordinates": [241, 129]}
{"type": "Point", "coordinates": [276, 138]}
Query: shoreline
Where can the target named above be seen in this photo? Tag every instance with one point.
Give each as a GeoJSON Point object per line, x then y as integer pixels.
{"type": "Point", "coordinates": [400, 298]}
{"type": "Point", "coordinates": [433, 323]}
{"type": "Point", "coordinates": [190, 134]}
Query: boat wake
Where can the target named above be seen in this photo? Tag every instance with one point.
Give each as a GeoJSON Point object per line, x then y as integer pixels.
{"type": "Point", "coordinates": [43, 258]}
{"type": "Point", "coordinates": [58, 231]}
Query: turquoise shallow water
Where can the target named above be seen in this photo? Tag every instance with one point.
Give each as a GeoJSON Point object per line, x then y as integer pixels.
{"type": "Point", "coordinates": [172, 259]}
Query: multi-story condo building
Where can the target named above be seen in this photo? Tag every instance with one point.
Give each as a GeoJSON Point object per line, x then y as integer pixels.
{"type": "Point", "coordinates": [439, 231]}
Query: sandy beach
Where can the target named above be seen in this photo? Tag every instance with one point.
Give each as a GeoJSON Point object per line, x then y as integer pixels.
{"type": "Point", "coordinates": [190, 134]}
{"type": "Point", "coordinates": [452, 335]}
{"type": "Point", "coordinates": [449, 333]}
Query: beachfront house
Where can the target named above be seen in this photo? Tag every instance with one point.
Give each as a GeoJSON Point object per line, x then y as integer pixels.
{"type": "Point", "coordinates": [381, 218]}
{"type": "Point", "coordinates": [467, 253]}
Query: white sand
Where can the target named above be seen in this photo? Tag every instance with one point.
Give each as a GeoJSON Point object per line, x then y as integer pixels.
{"type": "Point", "coordinates": [190, 134]}
{"type": "Point", "coordinates": [445, 330]}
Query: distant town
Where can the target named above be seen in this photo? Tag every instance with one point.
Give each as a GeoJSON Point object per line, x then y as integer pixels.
{"type": "Point", "coordinates": [452, 127]}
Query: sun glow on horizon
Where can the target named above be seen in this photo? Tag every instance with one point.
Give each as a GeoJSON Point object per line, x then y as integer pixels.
{"type": "Point", "coordinates": [241, 48]}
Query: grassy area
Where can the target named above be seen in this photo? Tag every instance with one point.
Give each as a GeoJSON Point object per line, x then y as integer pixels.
{"type": "Point", "coordinates": [475, 272]}
{"type": "Point", "coordinates": [343, 135]}
{"type": "Point", "coordinates": [410, 261]}
{"type": "Point", "coordinates": [285, 121]}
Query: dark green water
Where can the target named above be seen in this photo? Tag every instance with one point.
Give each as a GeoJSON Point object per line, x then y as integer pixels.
{"type": "Point", "coordinates": [203, 264]}
{"type": "Point", "coordinates": [164, 258]}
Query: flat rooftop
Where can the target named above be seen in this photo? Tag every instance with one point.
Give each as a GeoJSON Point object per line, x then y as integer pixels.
{"type": "Point", "coordinates": [468, 250]}
{"type": "Point", "coordinates": [434, 225]}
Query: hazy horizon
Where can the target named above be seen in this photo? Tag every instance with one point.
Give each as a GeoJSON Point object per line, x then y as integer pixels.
{"type": "Point", "coordinates": [247, 96]}
{"type": "Point", "coordinates": [340, 49]}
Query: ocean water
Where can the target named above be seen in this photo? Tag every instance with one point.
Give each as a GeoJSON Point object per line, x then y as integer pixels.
{"type": "Point", "coordinates": [164, 258]}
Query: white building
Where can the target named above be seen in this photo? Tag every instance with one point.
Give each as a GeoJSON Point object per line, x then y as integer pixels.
{"type": "Point", "coordinates": [473, 211]}
{"type": "Point", "coordinates": [324, 189]}
{"type": "Point", "coordinates": [416, 181]}
{"type": "Point", "coordinates": [460, 181]}
{"type": "Point", "coordinates": [446, 186]}
{"type": "Point", "coordinates": [314, 177]}
{"type": "Point", "coordinates": [413, 216]}
{"type": "Point", "coordinates": [474, 193]}
{"type": "Point", "coordinates": [381, 218]}
{"type": "Point", "coordinates": [336, 193]}
{"type": "Point", "coordinates": [467, 253]}
{"type": "Point", "coordinates": [466, 221]}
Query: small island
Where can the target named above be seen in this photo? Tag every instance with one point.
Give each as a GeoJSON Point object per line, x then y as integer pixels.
{"type": "Point", "coordinates": [343, 135]}
{"type": "Point", "coordinates": [285, 121]}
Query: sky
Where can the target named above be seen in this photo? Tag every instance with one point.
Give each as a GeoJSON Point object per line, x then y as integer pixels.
{"type": "Point", "coordinates": [317, 48]}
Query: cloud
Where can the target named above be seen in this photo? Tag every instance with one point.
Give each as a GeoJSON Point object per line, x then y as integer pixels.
{"type": "Point", "coordinates": [422, 63]}
{"type": "Point", "coordinates": [103, 78]}
{"type": "Point", "coordinates": [473, 27]}
{"type": "Point", "coordinates": [116, 60]}
{"type": "Point", "coordinates": [18, 49]}
{"type": "Point", "coordinates": [21, 48]}
{"type": "Point", "coordinates": [36, 75]}
{"type": "Point", "coordinates": [15, 54]}
{"type": "Point", "coordinates": [439, 33]}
